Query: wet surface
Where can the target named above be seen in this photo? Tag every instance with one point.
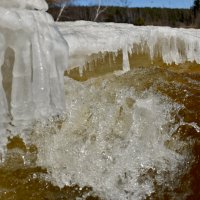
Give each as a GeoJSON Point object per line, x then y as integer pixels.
{"type": "Point", "coordinates": [21, 178]}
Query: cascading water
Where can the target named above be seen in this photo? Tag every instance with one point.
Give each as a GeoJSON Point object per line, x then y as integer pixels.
{"type": "Point", "coordinates": [131, 135]}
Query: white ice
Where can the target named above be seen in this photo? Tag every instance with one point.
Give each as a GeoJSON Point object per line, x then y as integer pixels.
{"type": "Point", "coordinates": [28, 4]}
{"type": "Point", "coordinates": [39, 55]}
{"type": "Point", "coordinates": [173, 45]}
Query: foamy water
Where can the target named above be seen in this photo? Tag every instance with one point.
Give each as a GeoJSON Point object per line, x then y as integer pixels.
{"type": "Point", "coordinates": [123, 136]}
{"type": "Point", "coordinates": [113, 139]}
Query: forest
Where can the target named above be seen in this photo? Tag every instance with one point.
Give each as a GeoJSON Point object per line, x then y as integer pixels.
{"type": "Point", "coordinates": [137, 16]}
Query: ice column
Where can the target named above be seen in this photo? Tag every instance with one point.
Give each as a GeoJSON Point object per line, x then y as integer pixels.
{"type": "Point", "coordinates": [41, 57]}
{"type": "Point", "coordinates": [3, 102]}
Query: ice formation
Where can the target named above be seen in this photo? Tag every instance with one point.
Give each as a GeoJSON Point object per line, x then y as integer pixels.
{"type": "Point", "coordinates": [33, 58]}
{"type": "Point", "coordinates": [114, 138]}
{"type": "Point", "coordinates": [173, 45]}
{"type": "Point", "coordinates": [34, 4]}
{"type": "Point", "coordinates": [40, 54]}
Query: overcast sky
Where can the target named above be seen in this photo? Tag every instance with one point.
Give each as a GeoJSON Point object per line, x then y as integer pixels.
{"type": "Point", "coordinates": [139, 3]}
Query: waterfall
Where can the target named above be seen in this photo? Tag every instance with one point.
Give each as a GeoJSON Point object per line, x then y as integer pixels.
{"type": "Point", "coordinates": [128, 135]}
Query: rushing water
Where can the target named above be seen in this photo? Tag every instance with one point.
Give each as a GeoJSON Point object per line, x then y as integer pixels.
{"type": "Point", "coordinates": [124, 136]}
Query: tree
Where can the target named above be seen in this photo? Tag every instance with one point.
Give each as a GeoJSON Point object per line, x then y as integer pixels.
{"type": "Point", "coordinates": [196, 7]}
{"type": "Point", "coordinates": [60, 3]}
{"type": "Point", "coordinates": [197, 4]}
{"type": "Point", "coordinates": [57, 1]}
{"type": "Point", "coordinates": [99, 10]}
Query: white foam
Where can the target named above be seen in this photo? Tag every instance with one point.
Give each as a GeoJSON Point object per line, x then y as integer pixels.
{"type": "Point", "coordinates": [111, 136]}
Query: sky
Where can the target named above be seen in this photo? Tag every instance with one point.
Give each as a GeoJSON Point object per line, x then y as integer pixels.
{"type": "Point", "coordinates": [138, 3]}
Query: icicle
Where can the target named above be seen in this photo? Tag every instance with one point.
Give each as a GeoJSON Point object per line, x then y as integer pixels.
{"type": "Point", "coordinates": [3, 102]}
{"type": "Point", "coordinates": [171, 44]}
{"type": "Point", "coordinates": [81, 70]}
{"type": "Point", "coordinates": [126, 65]}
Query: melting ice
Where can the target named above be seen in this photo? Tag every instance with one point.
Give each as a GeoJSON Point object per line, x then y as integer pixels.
{"type": "Point", "coordinates": [33, 59]}
{"type": "Point", "coordinates": [112, 134]}
{"type": "Point", "coordinates": [173, 45]}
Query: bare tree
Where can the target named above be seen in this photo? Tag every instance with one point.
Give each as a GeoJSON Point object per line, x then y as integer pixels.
{"type": "Point", "coordinates": [63, 6]}
{"type": "Point", "coordinates": [99, 10]}
{"type": "Point", "coordinates": [61, 11]}
{"type": "Point", "coordinates": [60, 3]}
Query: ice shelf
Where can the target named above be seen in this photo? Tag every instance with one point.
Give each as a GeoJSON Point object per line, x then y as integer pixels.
{"type": "Point", "coordinates": [33, 57]}
{"type": "Point", "coordinates": [173, 45]}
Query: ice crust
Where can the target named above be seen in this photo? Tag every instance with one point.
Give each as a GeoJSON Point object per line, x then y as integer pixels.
{"type": "Point", "coordinates": [39, 55]}
{"type": "Point", "coordinates": [173, 45]}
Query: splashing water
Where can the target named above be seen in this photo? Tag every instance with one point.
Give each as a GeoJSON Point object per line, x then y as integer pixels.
{"type": "Point", "coordinates": [131, 135]}
{"type": "Point", "coordinates": [112, 135]}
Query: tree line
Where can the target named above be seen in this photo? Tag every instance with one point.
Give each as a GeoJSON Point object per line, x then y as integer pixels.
{"type": "Point", "coordinates": [196, 12]}
{"type": "Point", "coordinates": [137, 16]}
